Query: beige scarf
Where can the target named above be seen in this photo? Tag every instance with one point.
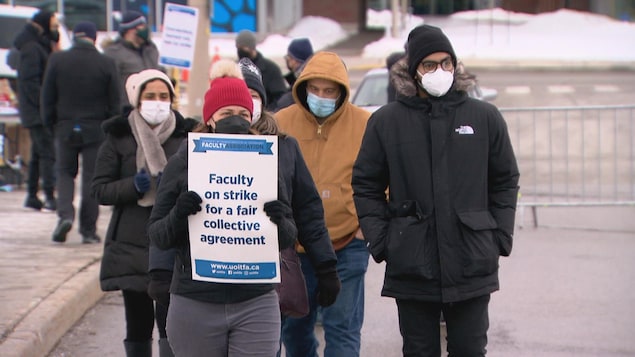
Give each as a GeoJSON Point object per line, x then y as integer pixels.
{"type": "Point", "coordinates": [150, 154]}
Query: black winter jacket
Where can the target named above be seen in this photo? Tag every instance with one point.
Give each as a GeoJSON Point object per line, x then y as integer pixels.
{"type": "Point", "coordinates": [452, 178]}
{"type": "Point", "coordinates": [35, 49]}
{"type": "Point", "coordinates": [124, 264]}
{"type": "Point", "coordinates": [169, 232]}
{"type": "Point", "coordinates": [271, 78]}
{"type": "Point", "coordinates": [81, 87]}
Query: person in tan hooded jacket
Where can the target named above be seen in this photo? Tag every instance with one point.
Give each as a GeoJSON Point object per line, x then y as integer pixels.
{"type": "Point", "coordinates": [329, 130]}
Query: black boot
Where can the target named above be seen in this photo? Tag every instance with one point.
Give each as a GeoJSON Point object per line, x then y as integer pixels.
{"type": "Point", "coordinates": [33, 202]}
{"type": "Point", "coordinates": [138, 349]}
{"type": "Point", "coordinates": [164, 348]}
{"type": "Point", "coordinates": [50, 204]}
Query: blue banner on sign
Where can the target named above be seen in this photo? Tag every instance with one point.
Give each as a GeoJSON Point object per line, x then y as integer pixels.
{"type": "Point", "coordinates": [228, 270]}
{"type": "Point", "coordinates": [183, 9]}
{"type": "Point", "coordinates": [262, 147]}
{"type": "Point", "coordinates": [175, 62]}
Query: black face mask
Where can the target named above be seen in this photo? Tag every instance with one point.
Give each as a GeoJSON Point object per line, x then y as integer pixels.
{"type": "Point", "coordinates": [242, 54]}
{"type": "Point", "coordinates": [54, 36]}
{"type": "Point", "coordinates": [234, 124]}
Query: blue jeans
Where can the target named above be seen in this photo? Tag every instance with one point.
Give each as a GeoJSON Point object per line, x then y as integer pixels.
{"type": "Point", "coordinates": [343, 320]}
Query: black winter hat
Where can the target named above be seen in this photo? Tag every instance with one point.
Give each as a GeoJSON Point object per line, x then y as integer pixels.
{"type": "Point", "coordinates": [253, 78]}
{"type": "Point", "coordinates": [130, 20]}
{"type": "Point", "coordinates": [43, 18]}
{"type": "Point", "coordinates": [300, 49]}
{"type": "Point", "coordinates": [424, 40]}
{"type": "Point", "coordinates": [85, 29]}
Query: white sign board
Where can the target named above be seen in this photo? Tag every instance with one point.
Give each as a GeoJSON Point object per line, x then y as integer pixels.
{"type": "Point", "coordinates": [179, 35]}
{"type": "Point", "coordinates": [232, 239]}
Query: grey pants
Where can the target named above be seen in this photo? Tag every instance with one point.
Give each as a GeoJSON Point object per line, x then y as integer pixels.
{"type": "Point", "coordinates": [248, 328]}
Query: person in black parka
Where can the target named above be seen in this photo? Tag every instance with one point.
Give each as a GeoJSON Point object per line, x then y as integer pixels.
{"type": "Point", "coordinates": [35, 43]}
{"type": "Point", "coordinates": [80, 91]}
{"type": "Point", "coordinates": [435, 186]}
{"type": "Point", "coordinates": [217, 318]}
{"type": "Point", "coordinates": [129, 168]}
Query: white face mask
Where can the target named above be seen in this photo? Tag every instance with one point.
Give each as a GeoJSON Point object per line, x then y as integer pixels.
{"type": "Point", "coordinates": [155, 112]}
{"type": "Point", "coordinates": [257, 110]}
{"type": "Point", "coordinates": [437, 83]}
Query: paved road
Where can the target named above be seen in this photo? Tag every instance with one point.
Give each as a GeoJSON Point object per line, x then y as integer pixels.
{"type": "Point", "coordinates": [567, 290]}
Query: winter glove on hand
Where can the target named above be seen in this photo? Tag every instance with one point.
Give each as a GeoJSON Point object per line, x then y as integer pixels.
{"type": "Point", "coordinates": [159, 286]}
{"type": "Point", "coordinates": [188, 203]}
{"type": "Point", "coordinates": [504, 241]}
{"type": "Point", "coordinates": [281, 214]}
{"type": "Point", "coordinates": [287, 233]}
{"type": "Point", "coordinates": [277, 210]}
{"type": "Point", "coordinates": [142, 181]}
{"type": "Point", "coordinates": [328, 286]}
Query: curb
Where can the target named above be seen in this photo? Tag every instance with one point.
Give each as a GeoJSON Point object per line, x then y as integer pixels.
{"type": "Point", "coordinates": [38, 333]}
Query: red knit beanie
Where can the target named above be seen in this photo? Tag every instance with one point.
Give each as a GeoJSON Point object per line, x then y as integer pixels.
{"type": "Point", "coordinates": [225, 91]}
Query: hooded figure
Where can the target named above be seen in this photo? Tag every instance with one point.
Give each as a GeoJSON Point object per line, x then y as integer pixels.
{"type": "Point", "coordinates": [329, 130]}
{"type": "Point", "coordinates": [33, 45]}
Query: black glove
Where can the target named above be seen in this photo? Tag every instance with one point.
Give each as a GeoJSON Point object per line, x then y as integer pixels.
{"type": "Point", "coordinates": [159, 286]}
{"type": "Point", "coordinates": [277, 210]}
{"type": "Point", "coordinates": [188, 203]}
{"type": "Point", "coordinates": [281, 214]}
{"type": "Point", "coordinates": [505, 242]}
{"type": "Point", "coordinates": [142, 181]}
{"type": "Point", "coordinates": [328, 286]}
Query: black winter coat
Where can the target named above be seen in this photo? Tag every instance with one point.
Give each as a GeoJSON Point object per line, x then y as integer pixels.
{"type": "Point", "coordinates": [452, 178]}
{"type": "Point", "coordinates": [81, 87]}
{"type": "Point", "coordinates": [35, 49]}
{"type": "Point", "coordinates": [167, 232]}
{"type": "Point", "coordinates": [124, 264]}
{"type": "Point", "coordinates": [271, 78]}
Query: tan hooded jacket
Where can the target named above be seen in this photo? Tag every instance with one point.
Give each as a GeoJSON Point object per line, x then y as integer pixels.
{"type": "Point", "coordinates": [330, 148]}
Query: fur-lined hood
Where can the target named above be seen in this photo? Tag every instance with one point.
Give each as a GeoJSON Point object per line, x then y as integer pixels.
{"type": "Point", "coordinates": [406, 86]}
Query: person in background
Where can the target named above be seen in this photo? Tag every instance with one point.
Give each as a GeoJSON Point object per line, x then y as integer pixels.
{"type": "Point", "coordinates": [208, 318]}
{"type": "Point", "coordinates": [76, 102]}
{"type": "Point", "coordinates": [447, 164]}
{"type": "Point", "coordinates": [129, 167]}
{"type": "Point", "coordinates": [38, 39]}
{"type": "Point", "coordinates": [133, 51]}
{"type": "Point", "coordinates": [329, 129]}
{"type": "Point", "coordinates": [271, 74]}
{"type": "Point", "coordinates": [306, 204]}
{"type": "Point", "coordinates": [298, 51]}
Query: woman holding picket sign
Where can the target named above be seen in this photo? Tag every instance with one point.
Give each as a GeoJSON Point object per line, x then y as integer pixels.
{"type": "Point", "coordinates": [210, 318]}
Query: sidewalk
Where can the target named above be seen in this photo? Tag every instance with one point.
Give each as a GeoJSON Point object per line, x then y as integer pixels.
{"type": "Point", "coordinates": [44, 287]}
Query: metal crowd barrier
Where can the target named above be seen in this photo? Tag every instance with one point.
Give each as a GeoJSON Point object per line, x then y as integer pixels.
{"type": "Point", "coordinates": [573, 156]}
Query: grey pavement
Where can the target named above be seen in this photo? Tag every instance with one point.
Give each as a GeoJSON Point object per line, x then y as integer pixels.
{"type": "Point", "coordinates": [567, 290]}
{"type": "Point", "coordinates": [45, 287]}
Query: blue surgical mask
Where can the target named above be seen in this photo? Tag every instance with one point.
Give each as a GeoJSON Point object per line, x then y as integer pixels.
{"type": "Point", "coordinates": [320, 107]}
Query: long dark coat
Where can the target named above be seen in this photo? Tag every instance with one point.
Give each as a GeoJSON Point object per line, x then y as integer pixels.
{"type": "Point", "coordinates": [124, 265]}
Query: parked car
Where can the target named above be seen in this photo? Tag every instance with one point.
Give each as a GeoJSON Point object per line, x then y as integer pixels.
{"type": "Point", "coordinates": [372, 92]}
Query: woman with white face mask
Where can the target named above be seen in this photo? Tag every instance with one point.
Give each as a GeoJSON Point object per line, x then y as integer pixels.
{"type": "Point", "coordinates": [127, 173]}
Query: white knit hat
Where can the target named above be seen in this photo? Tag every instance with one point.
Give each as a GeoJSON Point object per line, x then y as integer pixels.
{"type": "Point", "coordinates": [135, 82]}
